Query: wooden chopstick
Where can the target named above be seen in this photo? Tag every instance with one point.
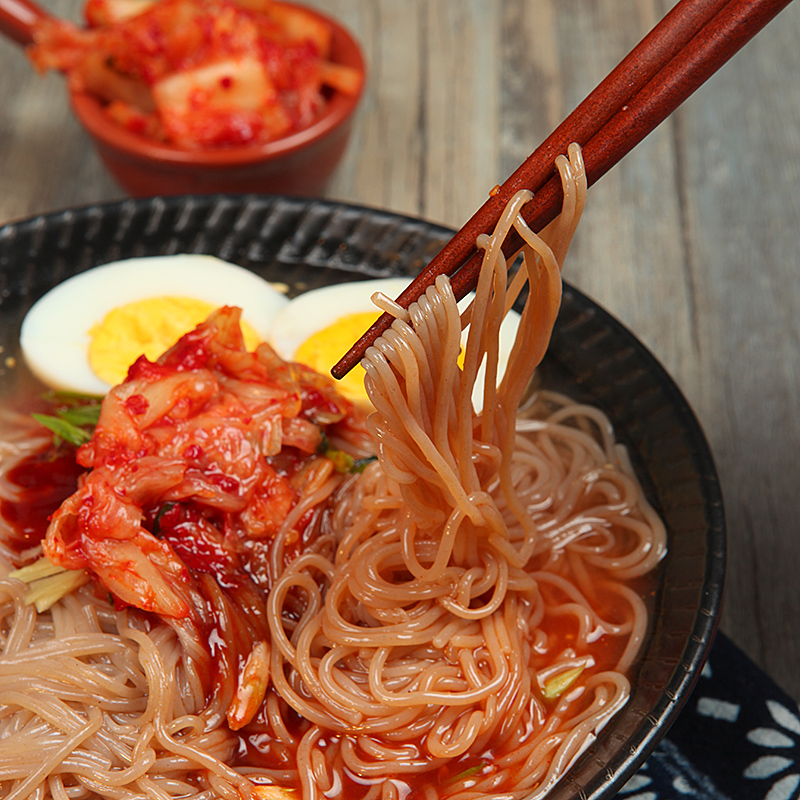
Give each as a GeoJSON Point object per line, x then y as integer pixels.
{"type": "Point", "coordinates": [631, 74]}
{"type": "Point", "coordinates": [691, 43]}
{"type": "Point", "coordinates": [18, 19]}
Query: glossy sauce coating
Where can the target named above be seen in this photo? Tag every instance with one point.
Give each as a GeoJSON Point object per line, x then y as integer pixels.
{"type": "Point", "coordinates": [41, 482]}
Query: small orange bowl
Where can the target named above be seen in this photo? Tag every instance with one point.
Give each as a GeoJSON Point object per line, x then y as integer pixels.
{"type": "Point", "coordinates": [298, 164]}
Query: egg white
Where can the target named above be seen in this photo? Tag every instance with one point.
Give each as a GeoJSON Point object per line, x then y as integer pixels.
{"type": "Point", "coordinates": [55, 332]}
{"type": "Point", "coordinates": [318, 308]}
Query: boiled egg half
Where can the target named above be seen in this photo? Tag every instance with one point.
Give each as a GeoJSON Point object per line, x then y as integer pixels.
{"type": "Point", "coordinates": [318, 327]}
{"type": "Point", "coordinates": [84, 334]}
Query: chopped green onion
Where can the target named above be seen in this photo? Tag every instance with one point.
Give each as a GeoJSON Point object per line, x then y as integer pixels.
{"type": "Point", "coordinates": [344, 462]}
{"type": "Point", "coordinates": [43, 568]}
{"type": "Point", "coordinates": [161, 511]}
{"type": "Point", "coordinates": [63, 430]}
{"type": "Point", "coordinates": [48, 582]}
{"type": "Point", "coordinates": [48, 591]}
{"type": "Point", "coordinates": [360, 464]}
{"type": "Point", "coordinates": [73, 424]}
{"type": "Point", "coordinates": [81, 415]}
{"type": "Point", "coordinates": [468, 773]}
{"type": "Point", "coordinates": [559, 683]}
{"type": "Point", "coordinates": [66, 398]}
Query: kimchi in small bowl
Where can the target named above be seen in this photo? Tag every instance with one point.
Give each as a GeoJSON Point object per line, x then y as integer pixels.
{"type": "Point", "coordinates": [298, 160]}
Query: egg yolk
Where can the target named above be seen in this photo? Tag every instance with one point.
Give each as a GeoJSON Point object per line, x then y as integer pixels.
{"type": "Point", "coordinates": [147, 327]}
{"type": "Point", "coordinates": [326, 346]}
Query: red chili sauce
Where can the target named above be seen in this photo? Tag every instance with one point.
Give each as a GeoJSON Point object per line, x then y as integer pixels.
{"type": "Point", "coordinates": [42, 482]}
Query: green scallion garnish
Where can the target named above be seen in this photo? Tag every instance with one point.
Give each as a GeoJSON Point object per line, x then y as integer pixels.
{"type": "Point", "coordinates": [63, 430]}
{"type": "Point", "coordinates": [75, 421]}
{"type": "Point", "coordinates": [344, 462]}
{"type": "Point", "coordinates": [468, 772]}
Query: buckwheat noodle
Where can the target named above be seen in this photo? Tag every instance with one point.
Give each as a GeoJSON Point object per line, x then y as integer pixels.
{"type": "Point", "coordinates": [460, 626]}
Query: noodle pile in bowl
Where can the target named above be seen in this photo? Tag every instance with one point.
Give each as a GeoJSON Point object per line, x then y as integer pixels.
{"type": "Point", "coordinates": [252, 607]}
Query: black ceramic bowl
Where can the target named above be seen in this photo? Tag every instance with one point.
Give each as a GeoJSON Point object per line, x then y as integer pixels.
{"type": "Point", "coordinates": [592, 357]}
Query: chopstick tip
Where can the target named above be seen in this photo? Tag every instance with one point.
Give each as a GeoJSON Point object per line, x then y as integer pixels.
{"type": "Point", "coordinates": [343, 365]}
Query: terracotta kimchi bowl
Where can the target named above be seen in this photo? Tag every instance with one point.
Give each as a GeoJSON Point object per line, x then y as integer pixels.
{"type": "Point", "coordinates": [298, 164]}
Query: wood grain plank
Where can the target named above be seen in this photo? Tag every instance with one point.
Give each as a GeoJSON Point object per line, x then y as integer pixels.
{"type": "Point", "coordinates": [383, 165]}
{"type": "Point", "coordinates": [742, 152]}
{"type": "Point", "coordinates": [626, 243]}
{"type": "Point", "coordinates": [461, 109]}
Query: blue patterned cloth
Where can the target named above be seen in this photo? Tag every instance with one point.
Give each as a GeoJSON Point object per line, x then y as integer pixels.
{"type": "Point", "coordinates": [738, 737]}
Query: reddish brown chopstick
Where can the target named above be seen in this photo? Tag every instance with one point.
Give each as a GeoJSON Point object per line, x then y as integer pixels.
{"type": "Point", "coordinates": [17, 19]}
{"type": "Point", "coordinates": [691, 43]}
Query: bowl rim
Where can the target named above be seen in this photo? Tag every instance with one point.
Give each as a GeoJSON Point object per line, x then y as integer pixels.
{"type": "Point", "coordinates": [89, 111]}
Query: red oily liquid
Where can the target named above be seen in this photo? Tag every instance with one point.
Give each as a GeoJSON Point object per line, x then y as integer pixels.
{"type": "Point", "coordinates": [41, 482]}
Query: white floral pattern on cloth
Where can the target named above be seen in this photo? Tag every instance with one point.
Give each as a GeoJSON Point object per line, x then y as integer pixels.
{"type": "Point", "coordinates": [738, 738]}
{"type": "Point", "coordinates": [783, 771]}
{"type": "Point", "coordinates": [668, 775]}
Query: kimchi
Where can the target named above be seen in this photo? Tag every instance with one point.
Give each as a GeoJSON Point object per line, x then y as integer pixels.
{"type": "Point", "coordinates": [199, 74]}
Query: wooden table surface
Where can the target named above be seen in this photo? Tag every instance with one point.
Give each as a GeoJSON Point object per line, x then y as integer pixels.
{"type": "Point", "coordinates": [692, 241]}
